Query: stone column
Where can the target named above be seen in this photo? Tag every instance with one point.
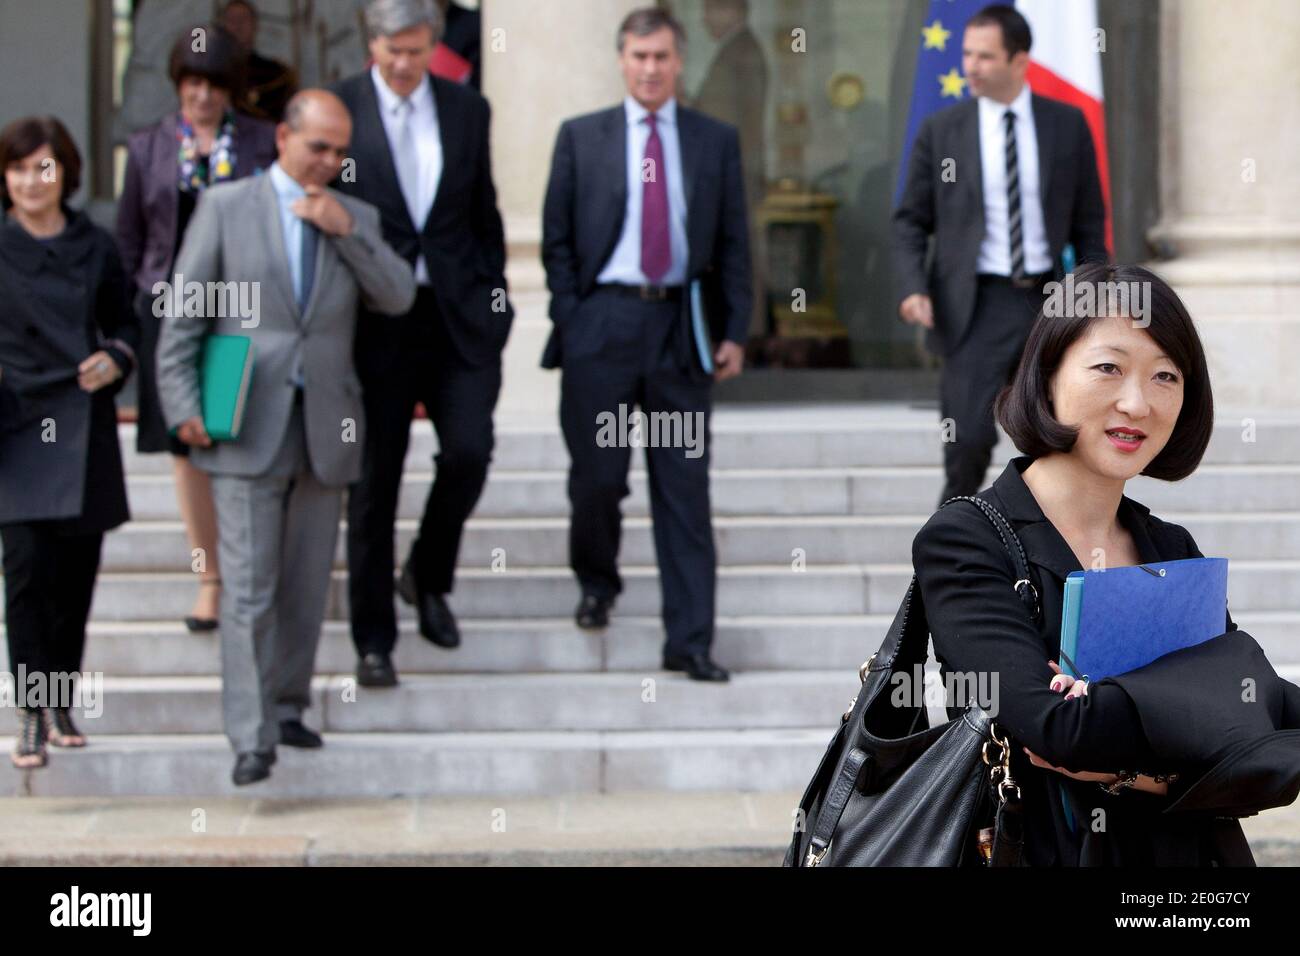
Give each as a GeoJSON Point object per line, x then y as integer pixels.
{"type": "Point", "coordinates": [1230, 193]}
{"type": "Point", "coordinates": [542, 63]}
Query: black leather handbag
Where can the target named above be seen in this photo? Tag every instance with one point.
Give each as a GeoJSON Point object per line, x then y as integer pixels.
{"type": "Point", "coordinates": [893, 791]}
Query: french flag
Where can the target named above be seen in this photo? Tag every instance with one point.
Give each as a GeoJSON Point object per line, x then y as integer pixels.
{"type": "Point", "coordinates": [1065, 64]}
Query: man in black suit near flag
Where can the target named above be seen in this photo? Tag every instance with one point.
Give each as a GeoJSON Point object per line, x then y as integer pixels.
{"type": "Point", "coordinates": [420, 146]}
{"type": "Point", "coordinates": [643, 199]}
{"type": "Point", "coordinates": [1025, 185]}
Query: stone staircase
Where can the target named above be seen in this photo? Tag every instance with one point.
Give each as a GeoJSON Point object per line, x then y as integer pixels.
{"type": "Point", "coordinates": [530, 704]}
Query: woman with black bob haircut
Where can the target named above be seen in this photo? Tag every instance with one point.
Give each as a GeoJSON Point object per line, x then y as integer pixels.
{"type": "Point", "coordinates": [1098, 398]}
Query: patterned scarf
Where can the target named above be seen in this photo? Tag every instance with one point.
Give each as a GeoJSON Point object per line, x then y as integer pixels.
{"type": "Point", "coordinates": [198, 172]}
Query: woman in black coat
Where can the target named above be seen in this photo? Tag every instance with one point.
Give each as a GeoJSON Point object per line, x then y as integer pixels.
{"type": "Point", "coordinates": [168, 166]}
{"type": "Point", "coordinates": [67, 340]}
{"type": "Point", "coordinates": [1097, 400]}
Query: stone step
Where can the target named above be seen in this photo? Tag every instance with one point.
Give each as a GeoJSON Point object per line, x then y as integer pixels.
{"type": "Point", "coordinates": [802, 437]}
{"type": "Point", "coordinates": [742, 591]}
{"type": "Point", "coordinates": [497, 703]}
{"type": "Point", "coordinates": [851, 539]}
{"type": "Point", "coordinates": [382, 765]}
{"type": "Point", "coordinates": [520, 645]}
{"type": "Point", "coordinates": [627, 828]}
{"type": "Point", "coordinates": [550, 645]}
{"type": "Point", "coordinates": [808, 491]}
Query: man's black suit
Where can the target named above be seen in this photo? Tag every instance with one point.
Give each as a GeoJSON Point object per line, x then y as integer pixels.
{"type": "Point", "coordinates": [615, 349]}
{"type": "Point", "coordinates": [980, 327]}
{"type": "Point", "coordinates": [445, 353]}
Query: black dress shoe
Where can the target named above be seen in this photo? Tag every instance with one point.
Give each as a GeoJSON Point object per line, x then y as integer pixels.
{"type": "Point", "coordinates": [252, 766]}
{"type": "Point", "coordinates": [697, 667]}
{"type": "Point", "coordinates": [437, 623]}
{"type": "Point", "coordinates": [294, 733]}
{"type": "Point", "coordinates": [376, 670]}
{"type": "Point", "coordinates": [593, 612]}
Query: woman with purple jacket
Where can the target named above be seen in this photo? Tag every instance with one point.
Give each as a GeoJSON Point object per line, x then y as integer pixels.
{"type": "Point", "coordinates": [168, 166]}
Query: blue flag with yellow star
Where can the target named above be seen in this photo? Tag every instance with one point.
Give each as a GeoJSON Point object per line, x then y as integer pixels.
{"type": "Point", "coordinates": [939, 81]}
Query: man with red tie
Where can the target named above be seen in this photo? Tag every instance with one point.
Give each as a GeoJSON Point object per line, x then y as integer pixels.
{"type": "Point", "coordinates": [645, 200]}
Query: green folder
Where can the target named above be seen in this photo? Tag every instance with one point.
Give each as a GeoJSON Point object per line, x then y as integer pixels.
{"type": "Point", "coordinates": [225, 373]}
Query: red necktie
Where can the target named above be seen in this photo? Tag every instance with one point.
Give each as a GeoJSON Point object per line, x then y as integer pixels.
{"type": "Point", "coordinates": [656, 248]}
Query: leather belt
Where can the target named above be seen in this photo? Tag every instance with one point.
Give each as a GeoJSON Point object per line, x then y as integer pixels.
{"type": "Point", "coordinates": [646, 293]}
{"type": "Point", "coordinates": [1027, 282]}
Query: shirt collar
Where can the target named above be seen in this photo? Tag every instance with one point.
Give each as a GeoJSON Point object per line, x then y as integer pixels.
{"type": "Point", "coordinates": [388, 100]}
{"type": "Point", "coordinates": [1021, 106]}
{"type": "Point", "coordinates": [636, 112]}
{"type": "Point", "coordinates": [1043, 544]}
{"type": "Point", "coordinates": [286, 187]}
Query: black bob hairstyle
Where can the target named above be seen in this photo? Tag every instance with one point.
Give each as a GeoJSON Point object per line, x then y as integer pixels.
{"type": "Point", "coordinates": [220, 60]}
{"type": "Point", "coordinates": [1023, 408]}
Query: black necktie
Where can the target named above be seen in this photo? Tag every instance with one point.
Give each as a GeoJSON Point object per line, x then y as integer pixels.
{"type": "Point", "coordinates": [1015, 230]}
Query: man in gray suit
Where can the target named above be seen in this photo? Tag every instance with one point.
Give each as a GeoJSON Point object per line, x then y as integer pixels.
{"type": "Point", "coordinates": [310, 257]}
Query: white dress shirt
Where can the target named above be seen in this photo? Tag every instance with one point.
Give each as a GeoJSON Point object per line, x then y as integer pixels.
{"type": "Point", "coordinates": [624, 265]}
{"type": "Point", "coordinates": [995, 247]}
{"type": "Point", "coordinates": [428, 147]}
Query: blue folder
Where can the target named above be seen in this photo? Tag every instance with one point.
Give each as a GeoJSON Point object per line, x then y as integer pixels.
{"type": "Point", "coordinates": [700, 328]}
{"type": "Point", "coordinates": [1119, 619]}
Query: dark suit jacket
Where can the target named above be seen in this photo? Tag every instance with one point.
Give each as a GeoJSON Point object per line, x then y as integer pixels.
{"type": "Point", "coordinates": [953, 212]}
{"type": "Point", "coordinates": [146, 211]}
{"type": "Point", "coordinates": [979, 625]}
{"type": "Point", "coordinates": [61, 301]}
{"type": "Point", "coordinates": [586, 200]}
{"type": "Point", "coordinates": [463, 241]}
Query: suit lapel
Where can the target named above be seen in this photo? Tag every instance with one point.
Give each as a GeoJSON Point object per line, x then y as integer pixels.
{"type": "Point", "coordinates": [614, 163]}
{"type": "Point", "coordinates": [1045, 133]}
{"type": "Point", "coordinates": [276, 248]}
{"type": "Point", "coordinates": [165, 162]}
{"type": "Point", "coordinates": [445, 111]}
{"type": "Point", "coordinates": [968, 139]}
{"type": "Point", "coordinates": [688, 141]}
{"type": "Point", "coordinates": [369, 129]}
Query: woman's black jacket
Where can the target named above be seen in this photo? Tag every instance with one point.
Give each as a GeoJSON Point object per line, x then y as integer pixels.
{"type": "Point", "coordinates": [1187, 713]}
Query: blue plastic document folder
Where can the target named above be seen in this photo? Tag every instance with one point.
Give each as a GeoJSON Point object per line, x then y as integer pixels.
{"type": "Point", "coordinates": [1119, 619]}
{"type": "Point", "coordinates": [700, 328]}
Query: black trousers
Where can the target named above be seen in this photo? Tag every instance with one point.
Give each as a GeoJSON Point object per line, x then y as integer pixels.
{"type": "Point", "coordinates": [634, 366]}
{"type": "Point", "coordinates": [401, 361]}
{"type": "Point", "coordinates": [972, 375]}
{"type": "Point", "coordinates": [49, 583]}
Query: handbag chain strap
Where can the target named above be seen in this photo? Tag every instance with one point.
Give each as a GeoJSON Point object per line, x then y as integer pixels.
{"type": "Point", "coordinates": [1000, 767]}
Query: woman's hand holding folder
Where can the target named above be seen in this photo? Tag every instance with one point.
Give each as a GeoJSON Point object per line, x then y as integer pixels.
{"type": "Point", "coordinates": [1073, 688]}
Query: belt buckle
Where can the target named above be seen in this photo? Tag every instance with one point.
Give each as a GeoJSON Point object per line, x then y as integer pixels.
{"type": "Point", "coordinates": [1024, 282]}
{"type": "Point", "coordinates": [653, 293]}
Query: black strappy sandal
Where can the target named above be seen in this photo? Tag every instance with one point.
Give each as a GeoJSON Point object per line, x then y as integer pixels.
{"type": "Point", "coordinates": [60, 730]}
{"type": "Point", "coordinates": [198, 625]}
{"type": "Point", "coordinates": [29, 747]}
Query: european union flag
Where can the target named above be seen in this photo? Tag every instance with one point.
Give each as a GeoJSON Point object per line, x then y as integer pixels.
{"type": "Point", "coordinates": [939, 81]}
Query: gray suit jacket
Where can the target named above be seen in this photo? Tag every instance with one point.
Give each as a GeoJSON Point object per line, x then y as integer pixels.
{"type": "Point", "coordinates": [236, 235]}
